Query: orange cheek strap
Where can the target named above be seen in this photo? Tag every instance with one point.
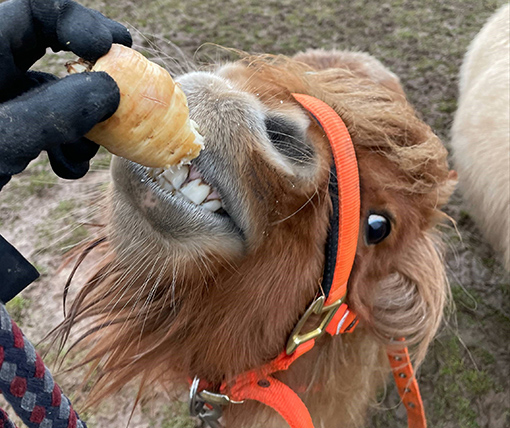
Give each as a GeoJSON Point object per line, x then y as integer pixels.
{"type": "Point", "coordinates": [345, 197]}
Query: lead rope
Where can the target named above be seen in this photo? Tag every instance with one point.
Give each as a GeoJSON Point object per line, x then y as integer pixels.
{"type": "Point", "coordinates": [28, 385]}
{"type": "Point", "coordinates": [5, 422]}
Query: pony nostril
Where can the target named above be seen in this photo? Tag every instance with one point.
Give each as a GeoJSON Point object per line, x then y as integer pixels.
{"type": "Point", "coordinates": [289, 140]}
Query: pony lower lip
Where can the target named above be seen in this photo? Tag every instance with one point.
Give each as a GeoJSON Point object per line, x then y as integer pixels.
{"type": "Point", "coordinates": [186, 182]}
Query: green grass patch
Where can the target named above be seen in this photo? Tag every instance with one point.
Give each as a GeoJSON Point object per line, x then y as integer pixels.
{"type": "Point", "coordinates": [42, 269]}
{"type": "Point", "coordinates": [33, 182]}
{"type": "Point", "coordinates": [62, 231]}
{"type": "Point", "coordinates": [465, 300]}
{"type": "Point", "coordinates": [74, 237]}
{"type": "Point", "coordinates": [63, 209]}
{"type": "Point", "coordinates": [457, 385]}
{"type": "Point", "coordinates": [489, 262]}
{"type": "Point", "coordinates": [45, 233]}
{"type": "Point", "coordinates": [477, 382]}
{"type": "Point", "coordinates": [41, 180]}
{"type": "Point", "coordinates": [17, 308]}
{"type": "Point", "coordinates": [59, 235]}
{"type": "Point", "coordinates": [448, 105]}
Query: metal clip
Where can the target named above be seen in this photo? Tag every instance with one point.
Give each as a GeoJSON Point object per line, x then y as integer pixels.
{"type": "Point", "coordinates": [317, 307]}
{"type": "Point", "coordinates": [207, 406]}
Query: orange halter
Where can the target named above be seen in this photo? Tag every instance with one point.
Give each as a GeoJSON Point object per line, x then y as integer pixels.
{"type": "Point", "coordinates": [336, 317]}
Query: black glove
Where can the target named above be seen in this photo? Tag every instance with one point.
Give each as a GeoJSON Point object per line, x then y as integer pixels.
{"type": "Point", "coordinates": [15, 272]}
{"type": "Point", "coordinates": [40, 112]}
{"type": "Point", "coordinates": [37, 110]}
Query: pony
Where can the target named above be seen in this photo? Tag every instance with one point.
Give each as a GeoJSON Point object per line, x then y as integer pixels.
{"type": "Point", "coordinates": [206, 269]}
{"type": "Point", "coordinates": [481, 131]}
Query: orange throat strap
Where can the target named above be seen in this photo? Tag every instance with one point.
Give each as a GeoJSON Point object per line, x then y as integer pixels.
{"type": "Point", "coordinates": [335, 317]}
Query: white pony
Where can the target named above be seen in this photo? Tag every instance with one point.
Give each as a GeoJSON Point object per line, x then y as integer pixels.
{"type": "Point", "coordinates": [481, 131]}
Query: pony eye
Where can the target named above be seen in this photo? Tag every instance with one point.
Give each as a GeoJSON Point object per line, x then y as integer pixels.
{"type": "Point", "coordinates": [378, 227]}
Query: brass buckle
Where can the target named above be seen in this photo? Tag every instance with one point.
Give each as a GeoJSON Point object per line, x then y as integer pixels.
{"type": "Point", "coordinates": [317, 307]}
{"type": "Point", "coordinates": [207, 406]}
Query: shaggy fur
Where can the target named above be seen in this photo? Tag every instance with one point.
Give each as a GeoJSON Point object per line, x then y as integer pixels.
{"type": "Point", "coordinates": [164, 311]}
{"type": "Point", "coordinates": [481, 131]}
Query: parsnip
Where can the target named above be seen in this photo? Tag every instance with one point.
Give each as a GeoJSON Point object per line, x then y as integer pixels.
{"type": "Point", "coordinates": [152, 125]}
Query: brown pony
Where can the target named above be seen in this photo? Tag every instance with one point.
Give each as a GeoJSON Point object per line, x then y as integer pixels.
{"type": "Point", "coordinates": [186, 289]}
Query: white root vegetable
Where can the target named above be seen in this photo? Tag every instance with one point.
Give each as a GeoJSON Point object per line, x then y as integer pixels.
{"type": "Point", "coordinates": [152, 125]}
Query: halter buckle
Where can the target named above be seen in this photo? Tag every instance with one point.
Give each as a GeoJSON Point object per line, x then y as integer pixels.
{"type": "Point", "coordinates": [316, 307]}
{"type": "Point", "coordinates": [207, 406]}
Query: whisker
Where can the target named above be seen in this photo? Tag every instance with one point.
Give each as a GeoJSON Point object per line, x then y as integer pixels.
{"type": "Point", "coordinates": [297, 211]}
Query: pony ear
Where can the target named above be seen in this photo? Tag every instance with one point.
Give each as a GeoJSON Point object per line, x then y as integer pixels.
{"type": "Point", "coordinates": [409, 303]}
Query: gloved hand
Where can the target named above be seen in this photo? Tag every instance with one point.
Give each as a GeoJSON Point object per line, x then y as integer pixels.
{"type": "Point", "coordinates": [38, 111]}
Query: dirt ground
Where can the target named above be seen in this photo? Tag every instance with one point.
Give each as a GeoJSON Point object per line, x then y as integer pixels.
{"type": "Point", "coordinates": [465, 380]}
